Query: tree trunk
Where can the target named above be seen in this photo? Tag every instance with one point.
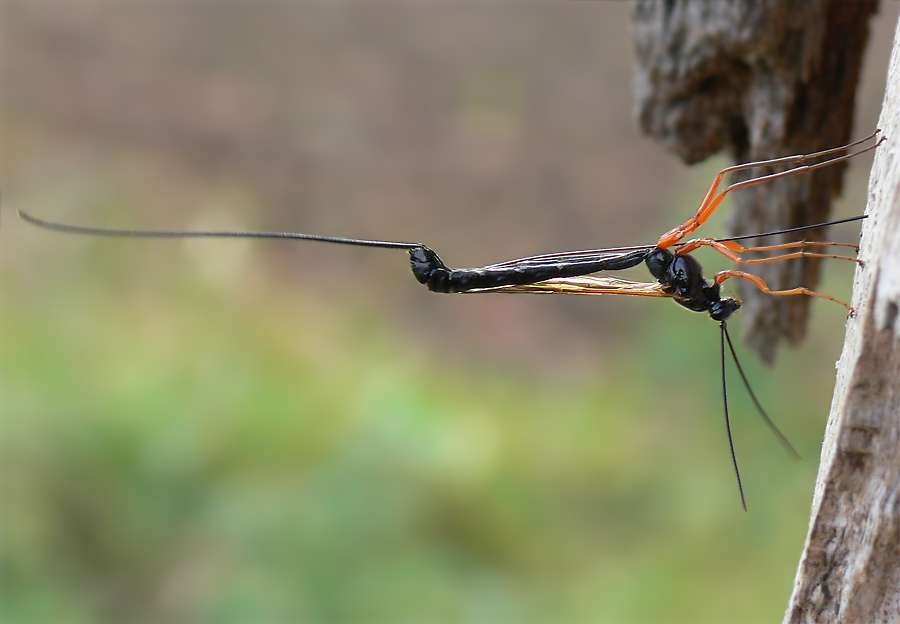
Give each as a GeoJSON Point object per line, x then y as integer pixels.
{"type": "Point", "coordinates": [850, 567]}
{"type": "Point", "coordinates": [762, 80]}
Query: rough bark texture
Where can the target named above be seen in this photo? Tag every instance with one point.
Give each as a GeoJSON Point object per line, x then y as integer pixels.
{"type": "Point", "coordinates": [850, 567]}
{"type": "Point", "coordinates": [761, 79]}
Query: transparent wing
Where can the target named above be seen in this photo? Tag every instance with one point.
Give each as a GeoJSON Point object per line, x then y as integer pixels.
{"type": "Point", "coordinates": [569, 257]}
{"type": "Point", "coordinates": [586, 285]}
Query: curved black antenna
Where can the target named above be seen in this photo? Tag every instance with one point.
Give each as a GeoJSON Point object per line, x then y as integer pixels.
{"type": "Point", "coordinates": [737, 472]}
{"type": "Point", "coordinates": [78, 229]}
{"type": "Point", "coordinates": [587, 255]}
{"type": "Point", "coordinates": [342, 240]}
{"type": "Point", "coordinates": [781, 437]}
{"type": "Point", "coordinates": [796, 229]}
{"type": "Point", "coordinates": [426, 265]}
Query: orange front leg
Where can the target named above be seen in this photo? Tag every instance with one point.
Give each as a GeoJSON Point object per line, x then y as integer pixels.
{"type": "Point", "coordinates": [801, 290]}
{"type": "Point", "coordinates": [730, 249]}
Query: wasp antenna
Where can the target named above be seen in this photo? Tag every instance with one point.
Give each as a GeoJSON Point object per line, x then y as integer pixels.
{"type": "Point", "coordinates": [94, 231]}
{"type": "Point", "coordinates": [781, 437]}
{"type": "Point", "coordinates": [737, 472]}
{"type": "Point", "coordinates": [796, 229]}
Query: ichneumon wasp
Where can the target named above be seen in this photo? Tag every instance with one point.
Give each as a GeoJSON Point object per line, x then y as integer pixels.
{"type": "Point", "coordinates": [678, 275]}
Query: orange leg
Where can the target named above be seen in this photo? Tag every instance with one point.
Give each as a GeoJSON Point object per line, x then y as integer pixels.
{"type": "Point", "coordinates": [712, 199]}
{"type": "Point", "coordinates": [731, 249]}
{"type": "Point", "coordinates": [724, 275]}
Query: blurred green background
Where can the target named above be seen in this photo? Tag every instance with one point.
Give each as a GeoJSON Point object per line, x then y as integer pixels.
{"type": "Point", "coordinates": [237, 431]}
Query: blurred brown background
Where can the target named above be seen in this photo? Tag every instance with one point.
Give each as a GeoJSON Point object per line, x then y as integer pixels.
{"type": "Point", "coordinates": [244, 431]}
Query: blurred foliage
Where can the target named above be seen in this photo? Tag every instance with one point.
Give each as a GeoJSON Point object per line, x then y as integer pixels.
{"type": "Point", "coordinates": [202, 431]}
{"type": "Point", "coordinates": [173, 453]}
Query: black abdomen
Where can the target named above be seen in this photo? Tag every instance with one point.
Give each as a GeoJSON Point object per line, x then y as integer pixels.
{"type": "Point", "coordinates": [431, 271]}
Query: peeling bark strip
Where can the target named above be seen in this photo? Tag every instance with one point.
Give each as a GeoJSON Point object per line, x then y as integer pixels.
{"type": "Point", "coordinates": [762, 79]}
{"type": "Point", "coordinates": [850, 568]}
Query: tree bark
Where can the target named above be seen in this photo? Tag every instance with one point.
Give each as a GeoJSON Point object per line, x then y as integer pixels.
{"type": "Point", "coordinates": [761, 79]}
{"type": "Point", "coordinates": [850, 567]}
